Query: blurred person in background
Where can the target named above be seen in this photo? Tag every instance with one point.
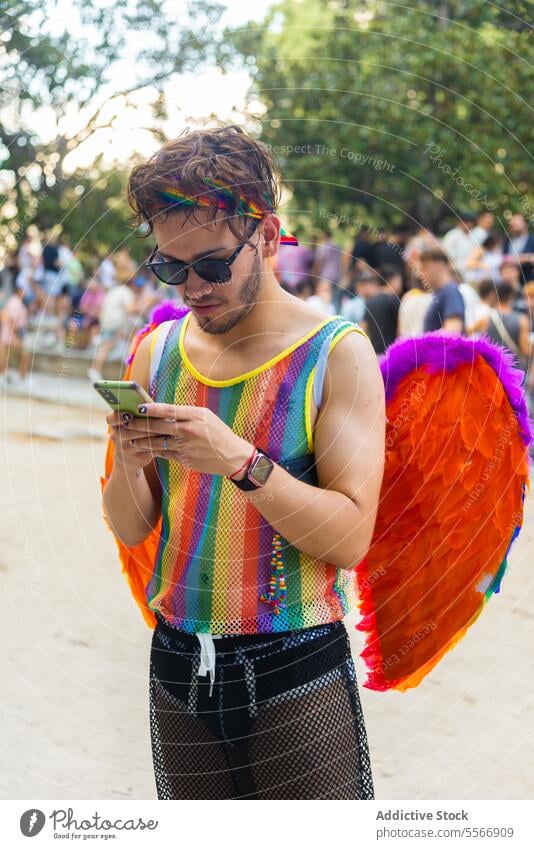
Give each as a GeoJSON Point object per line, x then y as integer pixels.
{"type": "Point", "coordinates": [520, 245]}
{"type": "Point", "coordinates": [51, 280]}
{"type": "Point", "coordinates": [484, 222]}
{"type": "Point", "coordinates": [106, 272]}
{"type": "Point", "coordinates": [117, 318]}
{"type": "Point", "coordinates": [446, 310]}
{"type": "Point", "coordinates": [8, 275]}
{"type": "Point", "coordinates": [511, 273]}
{"type": "Point", "coordinates": [14, 324]}
{"type": "Point", "coordinates": [361, 252]}
{"type": "Point", "coordinates": [65, 255]}
{"type": "Point", "coordinates": [304, 289]}
{"type": "Point", "coordinates": [125, 267]}
{"type": "Point", "coordinates": [487, 300]}
{"type": "Point", "coordinates": [328, 265]}
{"type": "Point", "coordinates": [144, 291]}
{"type": "Point", "coordinates": [28, 253]}
{"type": "Point", "coordinates": [389, 248]}
{"type": "Point", "coordinates": [83, 321]}
{"type": "Point", "coordinates": [423, 239]}
{"type": "Point", "coordinates": [413, 308]}
{"type": "Point", "coordinates": [34, 296]}
{"type": "Point", "coordinates": [484, 262]}
{"type": "Point", "coordinates": [321, 297]}
{"type": "Point", "coordinates": [506, 327]}
{"type": "Point", "coordinates": [353, 299]}
{"type": "Point", "coordinates": [459, 242]}
{"type": "Point", "coordinates": [382, 309]}
{"type": "Point", "coordinates": [294, 263]}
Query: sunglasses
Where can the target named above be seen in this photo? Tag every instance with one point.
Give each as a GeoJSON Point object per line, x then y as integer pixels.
{"type": "Point", "coordinates": [174, 272]}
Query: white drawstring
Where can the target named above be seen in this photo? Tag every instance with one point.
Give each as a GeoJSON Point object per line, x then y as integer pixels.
{"type": "Point", "coordinates": [207, 656]}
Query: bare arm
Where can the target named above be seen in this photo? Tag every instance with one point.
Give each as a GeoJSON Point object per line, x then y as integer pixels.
{"type": "Point", "coordinates": [453, 324]}
{"type": "Point", "coordinates": [335, 522]}
{"type": "Point", "coordinates": [524, 333]}
{"type": "Point", "coordinates": [132, 496]}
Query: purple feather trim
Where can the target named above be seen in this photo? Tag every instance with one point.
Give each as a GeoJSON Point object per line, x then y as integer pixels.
{"type": "Point", "coordinates": [446, 352]}
{"type": "Point", "coordinates": [165, 311]}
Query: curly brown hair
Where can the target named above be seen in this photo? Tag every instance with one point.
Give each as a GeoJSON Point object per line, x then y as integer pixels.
{"type": "Point", "coordinates": [225, 153]}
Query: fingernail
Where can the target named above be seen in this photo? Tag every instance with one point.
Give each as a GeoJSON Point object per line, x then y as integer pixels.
{"type": "Point", "coordinates": [126, 417]}
{"type": "Point", "coordinates": [142, 408]}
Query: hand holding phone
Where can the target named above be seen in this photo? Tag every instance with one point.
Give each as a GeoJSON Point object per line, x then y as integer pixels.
{"type": "Point", "coordinates": [122, 395]}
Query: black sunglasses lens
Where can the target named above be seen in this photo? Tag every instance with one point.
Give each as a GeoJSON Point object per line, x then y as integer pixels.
{"type": "Point", "coordinates": [212, 270]}
{"type": "Point", "coordinates": [171, 273]}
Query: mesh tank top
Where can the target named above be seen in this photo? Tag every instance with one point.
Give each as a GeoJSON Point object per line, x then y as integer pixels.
{"type": "Point", "coordinates": [220, 566]}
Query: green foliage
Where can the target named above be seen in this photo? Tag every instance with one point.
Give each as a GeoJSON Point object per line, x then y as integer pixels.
{"type": "Point", "coordinates": [46, 63]}
{"type": "Point", "coordinates": [419, 110]}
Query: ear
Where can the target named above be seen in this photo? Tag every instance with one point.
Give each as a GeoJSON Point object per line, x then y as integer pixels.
{"type": "Point", "coordinates": [271, 234]}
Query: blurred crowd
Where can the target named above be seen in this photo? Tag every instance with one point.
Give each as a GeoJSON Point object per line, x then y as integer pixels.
{"type": "Point", "coordinates": [470, 280]}
{"type": "Point", "coordinates": [98, 305]}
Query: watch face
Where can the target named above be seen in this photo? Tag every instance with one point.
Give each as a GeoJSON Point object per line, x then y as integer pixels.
{"type": "Point", "coordinates": [261, 469]}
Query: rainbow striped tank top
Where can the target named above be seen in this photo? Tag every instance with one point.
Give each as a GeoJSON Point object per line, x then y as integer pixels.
{"type": "Point", "coordinates": [220, 567]}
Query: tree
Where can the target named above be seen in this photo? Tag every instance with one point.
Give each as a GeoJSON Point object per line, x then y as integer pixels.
{"type": "Point", "coordinates": [70, 73]}
{"type": "Point", "coordinates": [420, 110]}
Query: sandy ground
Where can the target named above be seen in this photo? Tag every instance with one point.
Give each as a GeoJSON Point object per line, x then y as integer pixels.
{"type": "Point", "coordinates": [73, 681]}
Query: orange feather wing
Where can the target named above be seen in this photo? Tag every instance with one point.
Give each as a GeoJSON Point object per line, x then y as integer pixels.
{"type": "Point", "coordinates": [451, 502]}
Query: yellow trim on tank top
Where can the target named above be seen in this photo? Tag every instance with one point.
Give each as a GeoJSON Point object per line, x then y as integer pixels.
{"type": "Point", "coordinates": [248, 374]}
{"type": "Point", "coordinates": [309, 385]}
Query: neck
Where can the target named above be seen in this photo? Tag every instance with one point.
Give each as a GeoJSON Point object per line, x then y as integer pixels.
{"type": "Point", "coordinates": [439, 284]}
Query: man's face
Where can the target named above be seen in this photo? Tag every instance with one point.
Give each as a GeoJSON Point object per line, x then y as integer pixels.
{"type": "Point", "coordinates": [517, 225]}
{"type": "Point", "coordinates": [428, 272]}
{"type": "Point", "coordinates": [179, 237]}
{"type": "Point", "coordinates": [486, 220]}
{"type": "Point", "coordinates": [510, 273]}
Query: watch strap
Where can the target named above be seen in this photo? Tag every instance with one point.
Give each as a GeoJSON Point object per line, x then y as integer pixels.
{"type": "Point", "coordinates": [246, 484]}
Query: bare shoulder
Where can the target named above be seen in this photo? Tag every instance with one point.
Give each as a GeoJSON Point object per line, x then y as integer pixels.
{"type": "Point", "coordinates": [352, 367]}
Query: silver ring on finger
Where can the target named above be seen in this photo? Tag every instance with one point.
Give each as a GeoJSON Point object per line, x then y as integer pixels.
{"type": "Point", "coordinates": [165, 445]}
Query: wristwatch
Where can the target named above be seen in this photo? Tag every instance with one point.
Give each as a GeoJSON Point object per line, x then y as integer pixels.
{"type": "Point", "coordinates": [258, 470]}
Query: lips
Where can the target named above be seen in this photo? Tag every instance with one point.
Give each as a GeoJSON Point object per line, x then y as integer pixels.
{"type": "Point", "coordinates": [203, 307]}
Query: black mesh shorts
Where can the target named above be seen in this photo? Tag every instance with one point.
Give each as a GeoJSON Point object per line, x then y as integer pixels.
{"type": "Point", "coordinates": [280, 719]}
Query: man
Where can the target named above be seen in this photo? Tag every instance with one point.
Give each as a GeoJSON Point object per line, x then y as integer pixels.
{"type": "Point", "coordinates": [484, 222]}
{"type": "Point", "coordinates": [382, 310]}
{"type": "Point", "coordinates": [266, 507]}
{"type": "Point", "coordinates": [520, 245]}
{"type": "Point", "coordinates": [117, 319]}
{"type": "Point", "coordinates": [469, 233]}
{"type": "Point", "coordinates": [51, 281]}
{"type": "Point", "coordinates": [363, 286]}
{"type": "Point", "coordinates": [446, 310]}
{"type": "Point", "coordinates": [389, 248]}
{"type": "Point", "coordinates": [507, 327]}
{"type": "Point", "coordinates": [510, 272]}
{"type": "Point", "coordinates": [328, 264]}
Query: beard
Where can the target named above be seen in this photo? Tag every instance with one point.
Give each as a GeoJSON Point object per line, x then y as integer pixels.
{"type": "Point", "coordinates": [246, 297]}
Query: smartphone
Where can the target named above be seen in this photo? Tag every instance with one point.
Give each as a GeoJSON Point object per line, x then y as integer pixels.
{"type": "Point", "coordinates": [122, 395]}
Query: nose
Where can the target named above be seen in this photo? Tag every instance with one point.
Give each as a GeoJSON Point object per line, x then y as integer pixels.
{"type": "Point", "coordinates": [201, 291]}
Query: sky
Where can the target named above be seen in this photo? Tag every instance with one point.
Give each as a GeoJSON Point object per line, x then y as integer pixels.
{"type": "Point", "coordinates": [189, 98]}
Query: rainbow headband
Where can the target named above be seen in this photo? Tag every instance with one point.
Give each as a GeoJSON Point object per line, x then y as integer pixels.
{"type": "Point", "coordinates": [220, 195]}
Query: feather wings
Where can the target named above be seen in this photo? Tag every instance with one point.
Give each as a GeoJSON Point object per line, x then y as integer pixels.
{"type": "Point", "coordinates": [451, 503]}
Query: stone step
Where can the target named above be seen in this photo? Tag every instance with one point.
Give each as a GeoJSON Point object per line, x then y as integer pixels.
{"type": "Point", "coordinates": [69, 362]}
